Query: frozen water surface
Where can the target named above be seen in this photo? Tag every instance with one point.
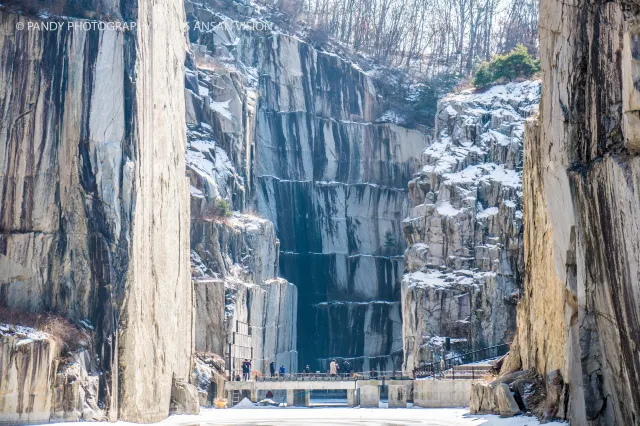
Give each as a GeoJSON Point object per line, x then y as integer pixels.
{"type": "Point", "coordinates": [339, 416]}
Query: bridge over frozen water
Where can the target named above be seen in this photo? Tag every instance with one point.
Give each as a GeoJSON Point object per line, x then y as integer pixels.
{"type": "Point", "coordinates": [431, 385]}
{"type": "Point", "coordinates": [365, 393]}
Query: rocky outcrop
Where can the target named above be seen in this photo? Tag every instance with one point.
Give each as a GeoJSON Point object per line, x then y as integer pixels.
{"type": "Point", "coordinates": [464, 263]}
{"type": "Point", "coordinates": [234, 265]}
{"type": "Point", "coordinates": [94, 213]}
{"type": "Point", "coordinates": [235, 253]}
{"type": "Point", "coordinates": [43, 380]}
{"type": "Point", "coordinates": [209, 379]}
{"type": "Point", "coordinates": [27, 371]}
{"type": "Point", "coordinates": [76, 389]}
{"type": "Point", "coordinates": [184, 398]}
{"type": "Point", "coordinates": [580, 313]}
{"type": "Point", "coordinates": [511, 394]}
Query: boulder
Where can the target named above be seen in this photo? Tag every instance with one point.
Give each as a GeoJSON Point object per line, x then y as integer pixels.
{"type": "Point", "coordinates": [203, 399]}
{"type": "Point", "coordinates": [529, 393]}
{"type": "Point", "coordinates": [507, 405]}
{"type": "Point", "coordinates": [482, 398]}
{"type": "Point", "coordinates": [184, 398]}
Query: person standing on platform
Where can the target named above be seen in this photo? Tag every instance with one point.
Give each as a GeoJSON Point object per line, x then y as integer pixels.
{"type": "Point", "coordinates": [244, 371]}
{"type": "Point", "coordinates": [347, 368]}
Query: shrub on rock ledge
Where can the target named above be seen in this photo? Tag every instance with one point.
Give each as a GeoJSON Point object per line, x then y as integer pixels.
{"type": "Point", "coordinates": [503, 68]}
{"type": "Point", "coordinates": [218, 208]}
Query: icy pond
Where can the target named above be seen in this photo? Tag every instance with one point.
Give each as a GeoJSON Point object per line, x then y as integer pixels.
{"type": "Point", "coordinates": [339, 416]}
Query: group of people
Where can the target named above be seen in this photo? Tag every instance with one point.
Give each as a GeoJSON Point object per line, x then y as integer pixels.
{"type": "Point", "coordinates": [334, 368]}
{"type": "Point", "coordinates": [272, 369]}
{"type": "Point", "coordinates": [246, 370]}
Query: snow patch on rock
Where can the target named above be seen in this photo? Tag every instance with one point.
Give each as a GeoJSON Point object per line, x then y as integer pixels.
{"type": "Point", "coordinates": [464, 262]}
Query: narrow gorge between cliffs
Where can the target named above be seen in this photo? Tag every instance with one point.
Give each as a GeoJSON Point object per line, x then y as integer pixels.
{"type": "Point", "coordinates": [410, 188]}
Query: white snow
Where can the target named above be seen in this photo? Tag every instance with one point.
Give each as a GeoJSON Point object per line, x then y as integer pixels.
{"type": "Point", "coordinates": [491, 211]}
{"type": "Point", "coordinates": [437, 279]}
{"type": "Point", "coordinates": [244, 404]}
{"type": "Point", "coordinates": [510, 92]}
{"type": "Point", "coordinates": [451, 111]}
{"type": "Point", "coordinates": [499, 137]}
{"type": "Point", "coordinates": [391, 116]}
{"type": "Point", "coordinates": [446, 209]}
{"type": "Point", "coordinates": [222, 108]}
{"type": "Point", "coordinates": [28, 334]}
{"type": "Point", "coordinates": [195, 192]}
{"type": "Point", "coordinates": [338, 416]}
{"type": "Point", "coordinates": [440, 341]}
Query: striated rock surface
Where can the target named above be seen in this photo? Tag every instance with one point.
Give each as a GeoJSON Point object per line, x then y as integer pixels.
{"type": "Point", "coordinates": [77, 388]}
{"type": "Point", "coordinates": [581, 312]}
{"type": "Point", "coordinates": [464, 263]}
{"type": "Point", "coordinates": [27, 372]}
{"type": "Point", "coordinates": [333, 182]}
{"type": "Point", "coordinates": [234, 251]}
{"type": "Point", "coordinates": [210, 330]}
{"type": "Point", "coordinates": [291, 134]}
{"type": "Point", "coordinates": [94, 213]}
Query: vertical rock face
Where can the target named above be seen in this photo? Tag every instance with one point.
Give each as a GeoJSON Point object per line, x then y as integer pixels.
{"type": "Point", "coordinates": [464, 263]}
{"type": "Point", "coordinates": [581, 312]}
{"type": "Point", "coordinates": [210, 332]}
{"type": "Point", "coordinates": [333, 180]}
{"type": "Point", "coordinates": [27, 369]}
{"type": "Point", "coordinates": [94, 214]}
{"type": "Point", "coordinates": [239, 250]}
{"type": "Point", "coordinates": [334, 187]}
{"type": "Point", "coordinates": [296, 141]}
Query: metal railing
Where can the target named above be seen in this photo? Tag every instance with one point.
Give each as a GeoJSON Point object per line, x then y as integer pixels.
{"type": "Point", "coordinates": [440, 370]}
{"type": "Point", "coordinates": [290, 377]}
{"type": "Point", "coordinates": [213, 364]}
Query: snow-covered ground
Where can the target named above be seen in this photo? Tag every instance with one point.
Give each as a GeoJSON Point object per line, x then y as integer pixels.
{"type": "Point", "coordinates": [339, 416]}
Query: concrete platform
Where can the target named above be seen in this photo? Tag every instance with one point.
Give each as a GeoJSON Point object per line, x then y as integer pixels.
{"type": "Point", "coordinates": [365, 393]}
{"type": "Point", "coordinates": [430, 393]}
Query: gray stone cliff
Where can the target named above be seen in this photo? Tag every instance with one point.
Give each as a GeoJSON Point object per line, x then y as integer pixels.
{"type": "Point", "coordinates": [464, 264]}
{"type": "Point", "coordinates": [94, 219]}
{"type": "Point", "coordinates": [579, 319]}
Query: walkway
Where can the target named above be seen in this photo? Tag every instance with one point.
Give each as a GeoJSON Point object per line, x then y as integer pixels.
{"type": "Point", "coordinates": [365, 393]}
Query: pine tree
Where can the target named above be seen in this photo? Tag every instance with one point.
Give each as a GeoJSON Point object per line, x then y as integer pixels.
{"type": "Point", "coordinates": [389, 241]}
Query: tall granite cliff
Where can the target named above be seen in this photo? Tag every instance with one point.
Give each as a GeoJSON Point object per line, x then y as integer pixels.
{"type": "Point", "coordinates": [94, 214]}
{"type": "Point", "coordinates": [464, 264]}
{"type": "Point", "coordinates": [579, 319]}
{"type": "Point", "coordinates": [333, 181]}
{"type": "Point", "coordinates": [244, 309]}
{"type": "Point", "coordinates": [304, 148]}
